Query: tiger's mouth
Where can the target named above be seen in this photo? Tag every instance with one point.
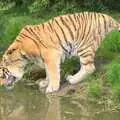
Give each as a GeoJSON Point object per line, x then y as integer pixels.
{"type": "Point", "coordinates": [10, 81]}
{"type": "Point", "coordinates": [8, 78]}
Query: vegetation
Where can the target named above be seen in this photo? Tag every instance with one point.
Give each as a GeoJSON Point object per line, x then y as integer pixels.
{"type": "Point", "coordinates": [15, 14]}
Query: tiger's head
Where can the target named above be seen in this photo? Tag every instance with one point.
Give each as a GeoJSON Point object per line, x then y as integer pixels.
{"type": "Point", "coordinates": [12, 65]}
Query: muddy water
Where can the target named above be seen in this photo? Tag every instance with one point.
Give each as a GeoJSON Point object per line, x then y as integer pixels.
{"type": "Point", "coordinates": [25, 103]}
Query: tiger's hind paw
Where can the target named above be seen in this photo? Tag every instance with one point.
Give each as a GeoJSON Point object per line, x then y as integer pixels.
{"type": "Point", "coordinates": [72, 80]}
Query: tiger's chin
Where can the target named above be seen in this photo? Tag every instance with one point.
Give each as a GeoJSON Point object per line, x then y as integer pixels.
{"type": "Point", "coordinates": [11, 80]}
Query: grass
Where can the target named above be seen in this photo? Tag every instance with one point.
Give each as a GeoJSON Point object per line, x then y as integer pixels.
{"type": "Point", "coordinates": [94, 89]}
{"type": "Point", "coordinates": [111, 42]}
{"type": "Point", "coordinates": [12, 26]}
{"type": "Point", "coordinates": [113, 77]}
{"type": "Point", "coordinates": [13, 20]}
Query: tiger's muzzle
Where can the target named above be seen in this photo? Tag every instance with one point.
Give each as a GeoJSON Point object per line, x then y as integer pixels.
{"type": "Point", "coordinates": [8, 78]}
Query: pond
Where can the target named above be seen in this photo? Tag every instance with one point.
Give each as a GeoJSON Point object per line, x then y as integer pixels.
{"type": "Point", "coordinates": [26, 103]}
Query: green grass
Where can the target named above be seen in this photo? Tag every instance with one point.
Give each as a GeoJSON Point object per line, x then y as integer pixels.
{"type": "Point", "coordinates": [94, 89]}
{"type": "Point", "coordinates": [12, 26]}
{"type": "Point", "coordinates": [113, 77]}
{"type": "Point", "coordinates": [113, 72]}
{"type": "Point", "coordinates": [111, 42]}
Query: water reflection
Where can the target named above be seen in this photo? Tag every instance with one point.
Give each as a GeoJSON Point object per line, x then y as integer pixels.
{"type": "Point", "coordinates": [22, 104]}
{"type": "Point", "coordinates": [29, 104]}
{"type": "Point", "coordinates": [54, 109]}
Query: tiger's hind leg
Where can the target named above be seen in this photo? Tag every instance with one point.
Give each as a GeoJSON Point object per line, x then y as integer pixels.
{"type": "Point", "coordinates": [87, 67]}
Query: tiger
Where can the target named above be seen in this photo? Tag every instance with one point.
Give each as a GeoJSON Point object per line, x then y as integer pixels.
{"type": "Point", "coordinates": [48, 44]}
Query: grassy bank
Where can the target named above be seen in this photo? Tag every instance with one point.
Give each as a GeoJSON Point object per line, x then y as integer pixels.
{"type": "Point", "coordinates": [104, 82]}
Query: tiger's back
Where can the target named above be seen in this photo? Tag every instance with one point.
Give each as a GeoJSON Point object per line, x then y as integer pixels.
{"type": "Point", "coordinates": [72, 32]}
{"type": "Point", "coordinates": [82, 30]}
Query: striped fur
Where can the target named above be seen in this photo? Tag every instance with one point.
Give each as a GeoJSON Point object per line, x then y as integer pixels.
{"type": "Point", "coordinates": [69, 35]}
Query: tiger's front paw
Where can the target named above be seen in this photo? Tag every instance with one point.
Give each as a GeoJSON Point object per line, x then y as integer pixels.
{"type": "Point", "coordinates": [52, 88]}
{"type": "Point", "coordinates": [43, 84]}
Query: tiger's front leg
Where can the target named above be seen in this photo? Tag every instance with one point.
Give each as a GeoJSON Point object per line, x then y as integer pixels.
{"type": "Point", "coordinates": [52, 66]}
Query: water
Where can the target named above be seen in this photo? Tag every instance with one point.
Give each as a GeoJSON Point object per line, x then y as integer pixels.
{"type": "Point", "coordinates": [25, 103]}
